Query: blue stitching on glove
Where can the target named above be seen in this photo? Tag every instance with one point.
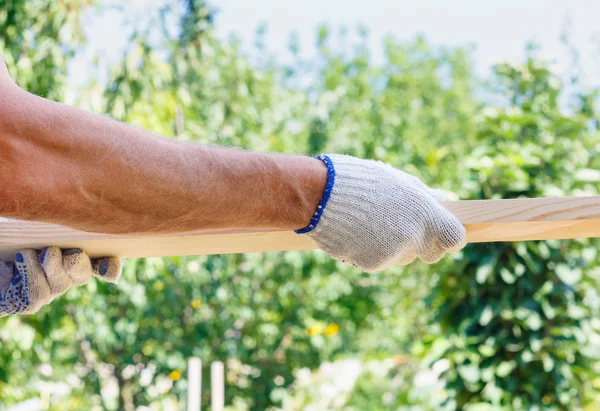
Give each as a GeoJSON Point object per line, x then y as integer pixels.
{"type": "Point", "coordinates": [15, 299]}
{"type": "Point", "coordinates": [103, 267]}
{"type": "Point", "coordinates": [43, 255]}
{"type": "Point", "coordinates": [72, 251]}
{"type": "Point", "coordinates": [326, 194]}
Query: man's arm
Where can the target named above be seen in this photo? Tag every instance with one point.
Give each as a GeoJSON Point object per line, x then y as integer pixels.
{"type": "Point", "coordinates": [62, 165]}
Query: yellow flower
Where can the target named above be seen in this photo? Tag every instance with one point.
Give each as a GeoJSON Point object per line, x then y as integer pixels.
{"type": "Point", "coordinates": [196, 303]}
{"type": "Point", "coordinates": [315, 329]}
{"type": "Point", "coordinates": [175, 375]}
{"type": "Point", "coordinates": [159, 285]}
{"type": "Point", "coordinates": [147, 350]}
{"type": "Point", "coordinates": [332, 329]}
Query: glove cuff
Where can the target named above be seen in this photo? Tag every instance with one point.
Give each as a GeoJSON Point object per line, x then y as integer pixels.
{"type": "Point", "coordinates": [373, 215]}
{"type": "Point", "coordinates": [324, 199]}
{"type": "Point", "coordinates": [340, 221]}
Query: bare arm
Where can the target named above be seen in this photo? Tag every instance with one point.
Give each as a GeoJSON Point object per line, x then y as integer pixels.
{"type": "Point", "coordinates": [62, 165]}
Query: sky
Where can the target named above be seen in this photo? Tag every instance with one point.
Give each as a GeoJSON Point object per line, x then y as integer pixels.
{"type": "Point", "coordinates": [499, 30]}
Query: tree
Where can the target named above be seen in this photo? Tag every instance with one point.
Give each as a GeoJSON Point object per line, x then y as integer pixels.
{"type": "Point", "coordinates": [208, 91]}
{"type": "Point", "coordinates": [268, 315]}
{"type": "Point", "coordinates": [516, 319]}
{"type": "Point", "coordinates": [37, 43]}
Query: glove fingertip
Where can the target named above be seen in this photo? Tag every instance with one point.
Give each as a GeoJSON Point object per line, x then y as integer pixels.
{"type": "Point", "coordinates": [455, 238]}
{"type": "Point", "coordinates": [50, 255]}
{"type": "Point", "coordinates": [107, 269]}
{"type": "Point", "coordinates": [438, 194]}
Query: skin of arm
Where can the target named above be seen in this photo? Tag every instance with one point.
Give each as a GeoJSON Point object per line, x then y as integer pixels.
{"type": "Point", "coordinates": [62, 165]}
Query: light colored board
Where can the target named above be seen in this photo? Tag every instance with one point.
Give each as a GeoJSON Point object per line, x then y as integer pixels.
{"type": "Point", "coordinates": [529, 218]}
{"type": "Point", "coordinates": [217, 386]}
{"type": "Point", "coordinates": [15, 235]}
{"type": "Point", "coordinates": [485, 221]}
{"type": "Point", "coordinates": [194, 394]}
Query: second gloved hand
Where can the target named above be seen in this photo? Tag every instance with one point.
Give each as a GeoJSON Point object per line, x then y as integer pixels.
{"type": "Point", "coordinates": [34, 279]}
{"type": "Point", "coordinates": [373, 215]}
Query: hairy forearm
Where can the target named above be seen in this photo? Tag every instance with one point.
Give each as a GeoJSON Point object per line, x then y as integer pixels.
{"type": "Point", "coordinates": [62, 165]}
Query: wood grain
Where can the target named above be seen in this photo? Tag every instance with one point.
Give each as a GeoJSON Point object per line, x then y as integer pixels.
{"type": "Point", "coordinates": [485, 221]}
{"type": "Point", "coordinates": [528, 218]}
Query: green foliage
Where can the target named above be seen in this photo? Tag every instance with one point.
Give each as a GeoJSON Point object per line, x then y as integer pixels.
{"type": "Point", "coordinates": [38, 39]}
{"type": "Point", "coordinates": [515, 321]}
{"type": "Point", "coordinates": [516, 318]}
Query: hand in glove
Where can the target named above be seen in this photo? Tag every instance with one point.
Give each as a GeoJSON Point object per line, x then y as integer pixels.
{"type": "Point", "coordinates": [373, 215]}
{"type": "Point", "coordinates": [34, 279]}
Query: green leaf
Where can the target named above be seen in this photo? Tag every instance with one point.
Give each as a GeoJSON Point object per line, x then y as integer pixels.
{"type": "Point", "coordinates": [469, 373]}
{"type": "Point", "coordinates": [486, 350]}
{"type": "Point", "coordinates": [483, 272]}
{"type": "Point", "coordinates": [492, 393]}
{"type": "Point", "coordinates": [587, 175]}
{"type": "Point", "coordinates": [549, 311]}
{"type": "Point", "coordinates": [533, 321]}
{"type": "Point", "coordinates": [543, 290]}
{"type": "Point", "coordinates": [481, 406]}
{"type": "Point", "coordinates": [527, 356]}
{"type": "Point", "coordinates": [505, 368]}
{"type": "Point", "coordinates": [567, 275]}
{"type": "Point", "coordinates": [519, 269]}
{"type": "Point", "coordinates": [507, 276]}
{"type": "Point", "coordinates": [547, 362]}
{"type": "Point", "coordinates": [486, 316]}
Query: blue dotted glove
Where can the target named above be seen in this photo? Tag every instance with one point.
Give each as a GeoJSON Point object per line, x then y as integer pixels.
{"type": "Point", "coordinates": [34, 279]}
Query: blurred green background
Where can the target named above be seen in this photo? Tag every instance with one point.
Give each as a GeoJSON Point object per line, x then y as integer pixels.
{"type": "Point", "coordinates": [501, 326]}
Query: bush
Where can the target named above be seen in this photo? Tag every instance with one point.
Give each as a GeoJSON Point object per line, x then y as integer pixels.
{"type": "Point", "coordinates": [516, 318]}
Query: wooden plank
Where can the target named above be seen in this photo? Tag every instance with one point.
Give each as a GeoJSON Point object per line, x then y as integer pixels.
{"type": "Point", "coordinates": [217, 386]}
{"type": "Point", "coordinates": [485, 221]}
{"type": "Point", "coordinates": [529, 218]}
{"type": "Point", "coordinates": [15, 235]}
{"type": "Point", "coordinates": [194, 394]}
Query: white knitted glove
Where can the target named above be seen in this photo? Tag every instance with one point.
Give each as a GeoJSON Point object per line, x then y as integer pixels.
{"type": "Point", "coordinates": [34, 279]}
{"type": "Point", "coordinates": [373, 215]}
